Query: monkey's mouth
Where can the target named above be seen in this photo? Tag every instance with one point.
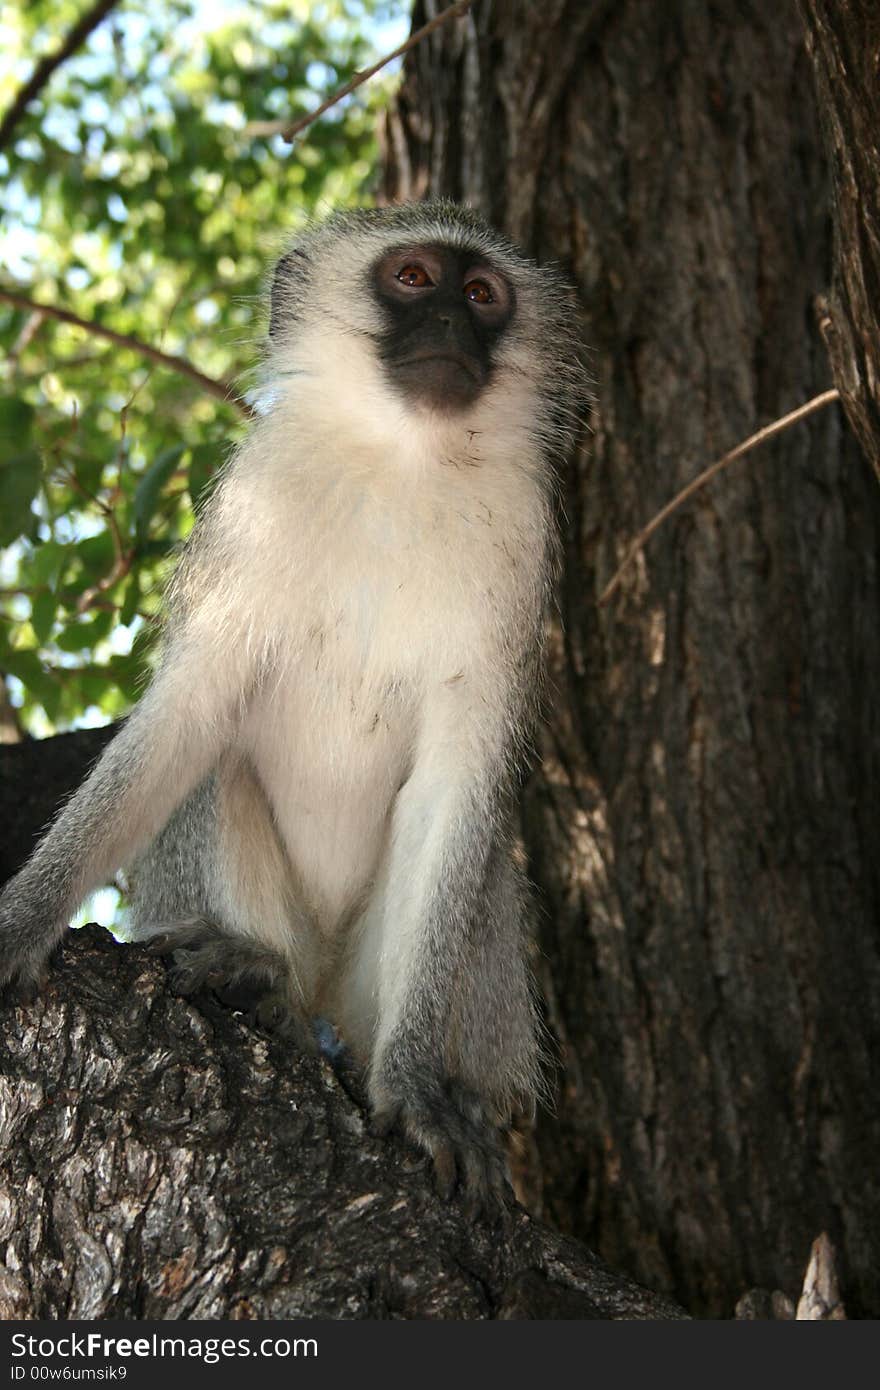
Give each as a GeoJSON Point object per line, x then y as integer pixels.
{"type": "Point", "coordinates": [444, 358]}
{"type": "Point", "coordinates": [442, 379]}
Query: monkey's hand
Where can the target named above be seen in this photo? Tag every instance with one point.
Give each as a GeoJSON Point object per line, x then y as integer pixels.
{"type": "Point", "coordinates": [29, 933]}
{"type": "Point", "coordinates": [462, 1134]}
{"type": "Point", "coordinates": [245, 974]}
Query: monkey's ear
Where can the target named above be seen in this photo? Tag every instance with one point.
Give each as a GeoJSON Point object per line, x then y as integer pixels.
{"type": "Point", "coordinates": [290, 276]}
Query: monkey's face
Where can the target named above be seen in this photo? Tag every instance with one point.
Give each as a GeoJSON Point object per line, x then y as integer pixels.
{"type": "Point", "coordinates": [418, 328]}
{"type": "Point", "coordinates": [444, 312]}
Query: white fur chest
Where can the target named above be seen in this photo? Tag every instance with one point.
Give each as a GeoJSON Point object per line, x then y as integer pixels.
{"type": "Point", "coordinates": [407, 561]}
{"type": "Point", "coordinates": [383, 585]}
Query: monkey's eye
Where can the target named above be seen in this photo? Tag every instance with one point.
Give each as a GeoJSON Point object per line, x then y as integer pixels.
{"type": "Point", "coordinates": [415, 276]}
{"type": "Point", "coordinates": [478, 292]}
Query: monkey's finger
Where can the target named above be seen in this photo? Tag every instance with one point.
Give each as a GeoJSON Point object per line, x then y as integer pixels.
{"type": "Point", "coordinates": [476, 1183]}
{"type": "Point", "coordinates": [502, 1198]}
{"type": "Point", "coordinates": [384, 1121]}
{"type": "Point", "coordinates": [500, 1211]}
{"type": "Point", "coordinates": [270, 1013]}
{"type": "Point", "coordinates": [28, 990]}
{"type": "Point", "coordinates": [445, 1171]}
{"type": "Point", "coordinates": [21, 991]}
{"type": "Point", "coordinates": [185, 981]}
{"type": "Point", "coordinates": [415, 1163]}
{"type": "Point", "coordinates": [292, 1028]}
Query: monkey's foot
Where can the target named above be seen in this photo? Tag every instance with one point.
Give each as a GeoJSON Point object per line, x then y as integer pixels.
{"type": "Point", "coordinates": [22, 982]}
{"type": "Point", "coordinates": [26, 946]}
{"type": "Point", "coordinates": [244, 975]}
{"type": "Point", "coordinates": [464, 1141]}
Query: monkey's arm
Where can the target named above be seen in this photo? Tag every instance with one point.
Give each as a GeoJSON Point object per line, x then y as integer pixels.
{"type": "Point", "coordinates": [457, 1044]}
{"type": "Point", "coordinates": [166, 746]}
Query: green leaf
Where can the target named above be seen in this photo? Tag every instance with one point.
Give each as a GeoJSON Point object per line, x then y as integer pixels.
{"type": "Point", "coordinates": [132, 598]}
{"type": "Point", "coordinates": [47, 562]}
{"type": "Point", "coordinates": [95, 682]}
{"type": "Point", "coordinates": [82, 636]}
{"type": "Point", "coordinates": [43, 611]}
{"type": "Point", "coordinates": [97, 555]}
{"type": "Point", "coordinates": [203, 472]}
{"type": "Point", "coordinates": [26, 665]}
{"type": "Point", "coordinates": [157, 549]}
{"type": "Point", "coordinates": [16, 424]}
{"type": "Point", "coordinates": [88, 472]}
{"type": "Point", "coordinates": [149, 489]}
{"type": "Point", "coordinates": [128, 675]}
{"type": "Point", "coordinates": [51, 697]}
{"type": "Point", "coordinates": [20, 476]}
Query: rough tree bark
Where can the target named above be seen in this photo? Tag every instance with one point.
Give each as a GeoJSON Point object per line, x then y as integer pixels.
{"type": "Point", "coordinates": [161, 1159]}
{"type": "Point", "coordinates": [702, 827]}
{"type": "Point", "coordinates": [843, 39]}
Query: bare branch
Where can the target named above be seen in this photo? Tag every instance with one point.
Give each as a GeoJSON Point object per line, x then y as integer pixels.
{"type": "Point", "coordinates": [29, 331]}
{"type": "Point", "coordinates": [222, 390]}
{"type": "Point", "coordinates": [289, 132]}
{"type": "Point", "coordinates": [44, 69]}
{"type": "Point", "coordinates": [121, 567]}
{"type": "Point", "coordinates": [759, 437]}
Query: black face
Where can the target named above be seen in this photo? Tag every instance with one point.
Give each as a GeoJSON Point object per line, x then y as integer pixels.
{"type": "Point", "coordinates": [445, 311]}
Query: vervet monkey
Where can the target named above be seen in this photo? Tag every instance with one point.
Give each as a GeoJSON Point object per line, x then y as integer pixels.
{"type": "Point", "coordinates": [316, 792]}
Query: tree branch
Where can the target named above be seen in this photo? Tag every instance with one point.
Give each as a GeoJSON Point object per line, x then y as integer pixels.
{"type": "Point", "coordinates": [289, 132]}
{"type": "Point", "coordinates": [236, 1178]}
{"type": "Point", "coordinates": [222, 390]}
{"type": "Point", "coordinates": [44, 69]}
{"type": "Point", "coordinates": [759, 437]}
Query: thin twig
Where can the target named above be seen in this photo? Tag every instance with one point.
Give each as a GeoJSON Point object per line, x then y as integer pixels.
{"type": "Point", "coordinates": [122, 559]}
{"type": "Point", "coordinates": [29, 331]}
{"type": "Point", "coordinates": [121, 567]}
{"type": "Point", "coordinates": [222, 390]}
{"type": "Point", "coordinates": [289, 132]}
{"type": "Point", "coordinates": [44, 69]}
{"type": "Point", "coordinates": [67, 364]}
{"type": "Point", "coordinates": [760, 436]}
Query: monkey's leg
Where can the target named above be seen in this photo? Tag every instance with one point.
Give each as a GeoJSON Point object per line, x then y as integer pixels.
{"type": "Point", "coordinates": [216, 892]}
{"type": "Point", "coordinates": [164, 749]}
{"type": "Point", "coordinates": [456, 1044]}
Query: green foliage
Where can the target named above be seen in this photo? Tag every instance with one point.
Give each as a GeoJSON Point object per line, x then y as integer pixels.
{"type": "Point", "coordinates": [136, 197]}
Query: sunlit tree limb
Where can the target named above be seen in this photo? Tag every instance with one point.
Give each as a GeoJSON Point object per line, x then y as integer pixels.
{"type": "Point", "coordinates": [289, 131]}
{"type": "Point", "coordinates": [213, 386]}
{"type": "Point", "coordinates": [44, 69]}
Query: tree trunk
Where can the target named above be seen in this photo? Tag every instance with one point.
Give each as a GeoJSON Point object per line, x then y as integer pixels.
{"type": "Point", "coordinates": [36, 777]}
{"type": "Point", "coordinates": [702, 824]}
{"type": "Point", "coordinates": [843, 39]}
{"type": "Point", "coordinates": [161, 1159]}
